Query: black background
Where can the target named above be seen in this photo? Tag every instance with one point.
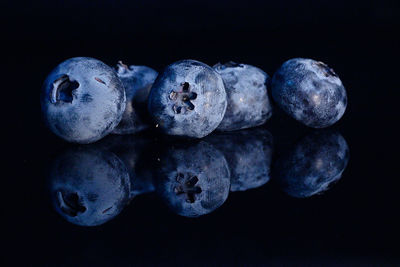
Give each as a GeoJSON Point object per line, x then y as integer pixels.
{"type": "Point", "coordinates": [356, 222]}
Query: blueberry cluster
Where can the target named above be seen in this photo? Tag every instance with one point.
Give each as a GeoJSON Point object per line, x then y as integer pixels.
{"type": "Point", "coordinates": [84, 100]}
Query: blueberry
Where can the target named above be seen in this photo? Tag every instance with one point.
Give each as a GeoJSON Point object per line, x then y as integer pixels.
{"type": "Point", "coordinates": [135, 154]}
{"type": "Point", "coordinates": [82, 100]}
{"type": "Point", "coordinates": [316, 162]}
{"type": "Point", "coordinates": [247, 96]}
{"type": "Point", "coordinates": [188, 99]}
{"type": "Point", "coordinates": [249, 155]}
{"type": "Point", "coordinates": [194, 179]}
{"type": "Point", "coordinates": [310, 92]}
{"type": "Point", "coordinates": [137, 81]}
{"type": "Point", "coordinates": [88, 186]}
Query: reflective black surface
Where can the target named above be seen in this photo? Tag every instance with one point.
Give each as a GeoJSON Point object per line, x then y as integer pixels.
{"type": "Point", "coordinates": [89, 185]}
{"type": "Point", "coordinates": [258, 221]}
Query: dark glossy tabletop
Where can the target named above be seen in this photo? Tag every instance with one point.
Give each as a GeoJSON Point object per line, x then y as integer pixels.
{"type": "Point", "coordinates": [146, 199]}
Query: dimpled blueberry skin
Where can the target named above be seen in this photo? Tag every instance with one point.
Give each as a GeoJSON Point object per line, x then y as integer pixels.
{"type": "Point", "coordinates": [193, 180]}
{"type": "Point", "coordinates": [317, 161]}
{"type": "Point", "coordinates": [137, 81]}
{"type": "Point", "coordinates": [88, 186]}
{"type": "Point", "coordinates": [188, 99]}
{"type": "Point", "coordinates": [310, 92]}
{"type": "Point", "coordinates": [82, 100]}
{"type": "Point", "coordinates": [249, 156]}
{"type": "Point", "coordinates": [247, 96]}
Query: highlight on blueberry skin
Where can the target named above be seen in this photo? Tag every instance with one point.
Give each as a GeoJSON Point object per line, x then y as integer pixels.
{"type": "Point", "coordinates": [137, 81]}
{"type": "Point", "coordinates": [193, 180]}
{"type": "Point", "coordinates": [313, 165]}
{"type": "Point", "coordinates": [248, 154]}
{"type": "Point", "coordinates": [82, 100]}
{"type": "Point", "coordinates": [310, 92]}
{"type": "Point", "coordinates": [247, 95]}
{"type": "Point", "coordinates": [188, 99]}
{"type": "Point", "coordinates": [88, 186]}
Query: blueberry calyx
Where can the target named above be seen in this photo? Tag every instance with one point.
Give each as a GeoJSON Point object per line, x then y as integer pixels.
{"type": "Point", "coordinates": [327, 70]}
{"type": "Point", "coordinates": [70, 203]}
{"type": "Point", "coordinates": [122, 68]}
{"type": "Point", "coordinates": [187, 186]}
{"type": "Point", "coordinates": [62, 90]}
{"type": "Point", "coordinates": [183, 99]}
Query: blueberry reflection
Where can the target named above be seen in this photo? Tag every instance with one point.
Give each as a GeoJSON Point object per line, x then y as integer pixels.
{"type": "Point", "coordinates": [249, 155]}
{"type": "Point", "coordinates": [88, 186]}
{"type": "Point", "coordinates": [135, 153]}
{"type": "Point", "coordinates": [193, 178]}
{"type": "Point", "coordinates": [91, 184]}
{"type": "Point", "coordinates": [313, 164]}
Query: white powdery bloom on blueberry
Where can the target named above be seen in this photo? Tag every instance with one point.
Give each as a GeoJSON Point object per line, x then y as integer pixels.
{"type": "Point", "coordinates": [137, 81]}
{"type": "Point", "coordinates": [82, 100]}
{"type": "Point", "coordinates": [310, 92]}
{"type": "Point", "coordinates": [188, 99]}
{"type": "Point", "coordinates": [247, 95]}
